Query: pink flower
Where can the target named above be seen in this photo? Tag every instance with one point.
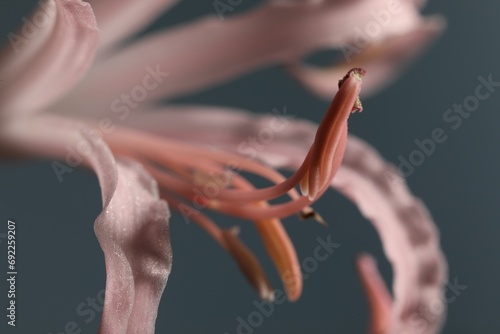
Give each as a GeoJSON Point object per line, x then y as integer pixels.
{"type": "Point", "coordinates": [180, 152]}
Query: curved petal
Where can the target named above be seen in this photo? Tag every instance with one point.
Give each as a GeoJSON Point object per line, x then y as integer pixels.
{"type": "Point", "coordinates": [117, 19]}
{"type": "Point", "coordinates": [383, 60]}
{"type": "Point", "coordinates": [409, 236]}
{"type": "Point", "coordinates": [208, 51]}
{"type": "Point", "coordinates": [132, 228]}
{"type": "Point", "coordinates": [48, 56]}
{"type": "Point", "coordinates": [226, 128]}
{"type": "Point", "coordinates": [133, 233]}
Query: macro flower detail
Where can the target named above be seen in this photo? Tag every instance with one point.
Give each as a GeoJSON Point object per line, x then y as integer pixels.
{"type": "Point", "coordinates": [182, 179]}
{"type": "Point", "coordinates": [55, 87]}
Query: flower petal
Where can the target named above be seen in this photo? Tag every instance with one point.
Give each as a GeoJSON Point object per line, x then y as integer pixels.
{"type": "Point", "coordinates": [383, 60]}
{"type": "Point", "coordinates": [409, 236]}
{"type": "Point", "coordinates": [48, 56]}
{"type": "Point", "coordinates": [227, 128]}
{"type": "Point", "coordinates": [379, 299]}
{"type": "Point", "coordinates": [132, 228]}
{"type": "Point", "coordinates": [134, 235]}
{"type": "Point", "coordinates": [117, 19]}
{"type": "Point", "coordinates": [66, 140]}
{"type": "Point", "coordinates": [208, 51]}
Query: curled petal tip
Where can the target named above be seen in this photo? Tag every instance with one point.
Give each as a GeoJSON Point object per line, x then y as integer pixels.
{"type": "Point", "coordinates": [379, 298]}
{"type": "Point", "coordinates": [357, 73]}
{"type": "Point", "coordinates": [367, 262]}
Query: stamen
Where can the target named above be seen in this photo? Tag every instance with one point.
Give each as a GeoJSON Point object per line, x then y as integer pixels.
{"type": "Point", "coordinates": [279, 247]}
{"type": "Point", "coordinates": [228, 240]}
{"type": "Point", "coordinates": [159, 149]}
{"type": "Point", "coordinates": [313, 174]}
{"type": "Point", "coordinates": [274, 236]}
{"type": "Point", "coordinates": [184, 170]}
{"type": "Point", "coordinates": [309, 212]}
{"type": "Point", "coordinates": [249, 265]}
{"type": "Point", "coordinates": [248, 211]}
{"type": "Point", "coordinates": [320, 165]}
{"type": "Point", "coordinates": [332, 130]}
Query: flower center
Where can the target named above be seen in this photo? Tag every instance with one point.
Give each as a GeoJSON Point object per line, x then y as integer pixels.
{"type": "Point", "coordinates": [193, 178]}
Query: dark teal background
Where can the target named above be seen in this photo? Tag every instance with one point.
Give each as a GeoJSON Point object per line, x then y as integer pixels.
{"type": "Point", "coordinates": [60, 264]}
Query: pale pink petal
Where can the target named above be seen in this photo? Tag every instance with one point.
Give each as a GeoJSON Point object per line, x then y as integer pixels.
{"type": "Point", "coordinates": [132, 228]}
{"type": "Point", "coordinates": [410, 238]}
{"type": "Point", "coordinates": [223, 127]}
{"type": "Point", "coordinates": [45, 59]}
{"type": "Point", "coordinates": [383, 60]}
{"type": "Point", "coordinates": [118, 19]}
{"type": "Point", "coordinates": [379, 299]}
{"type": "Point", "coordinates": [209, 51]}
{"type": "Point", "coordinates": [134, 235]}
{"type": "Point", "coordinates": [71, 143]}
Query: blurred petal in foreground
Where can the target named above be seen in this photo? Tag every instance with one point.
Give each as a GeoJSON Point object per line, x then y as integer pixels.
{"type": "Point", "coordinates": [132, 228]}
{"type": "Point", "coordinates": [39, 68]}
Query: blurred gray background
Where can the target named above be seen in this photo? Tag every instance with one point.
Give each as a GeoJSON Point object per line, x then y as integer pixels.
{"type": "Point", "coordinates": [60, 264]}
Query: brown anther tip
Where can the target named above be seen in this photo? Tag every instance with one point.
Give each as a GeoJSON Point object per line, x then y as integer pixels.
{"type": "Point", "coordinates": [357, 73]}
{"type": "Point", "coordinates": [358, 106]}
{"type": "Point", "coordinates": [306, 213]}
{"type": "Point", "coordinates": [309, 212]}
